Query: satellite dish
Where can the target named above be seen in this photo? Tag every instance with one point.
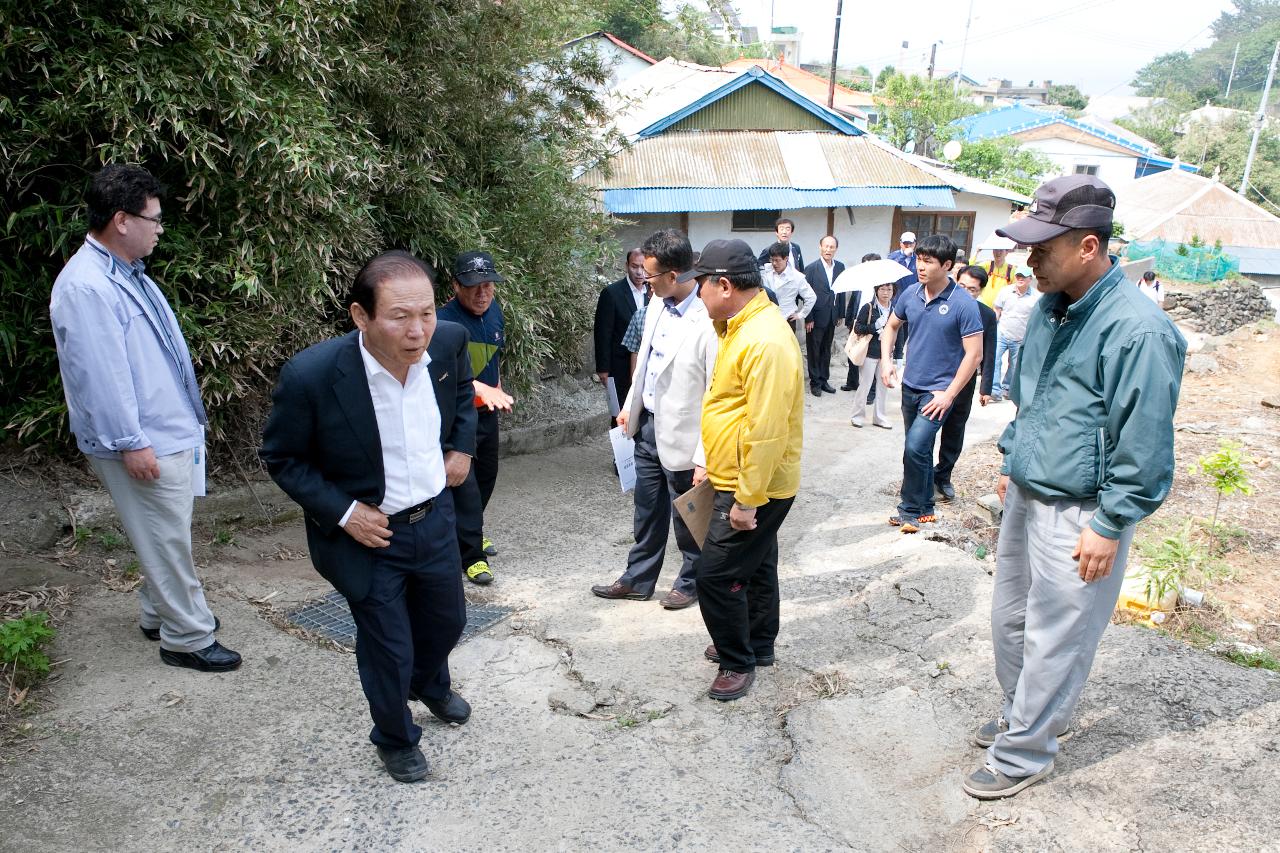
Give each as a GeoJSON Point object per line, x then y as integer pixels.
{"type": "Point", "coordinates": [952, 149]}
{"type": "Point", "coordinates": [910, 147]}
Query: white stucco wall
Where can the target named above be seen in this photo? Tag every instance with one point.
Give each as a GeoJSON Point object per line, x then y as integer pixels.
{"type": "Point", "coordinates": [1114, 169]}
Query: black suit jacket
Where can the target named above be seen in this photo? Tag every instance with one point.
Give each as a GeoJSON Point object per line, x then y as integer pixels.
{"type": "Point", "coordinates": [988, 367]}
{"type": "Point", "coordinates": [321, 442]}
{"type": "Point", "coordinates": [613, 313]}
{"type": "Point", "coordinates": [824, 308]}
{"type": "Point", "coordinates": [797, 256]}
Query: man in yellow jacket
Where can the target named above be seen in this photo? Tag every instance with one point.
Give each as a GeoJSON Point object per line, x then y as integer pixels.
{"type": "Point", "coordinates": [752, 430]}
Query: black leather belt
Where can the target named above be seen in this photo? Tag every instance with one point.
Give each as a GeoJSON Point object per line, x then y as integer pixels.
{"type": "Point", "coordinates": [414, 514]}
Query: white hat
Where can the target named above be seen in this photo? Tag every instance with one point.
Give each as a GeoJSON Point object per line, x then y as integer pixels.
{"type": "Point", "coordinates": [907, 237]}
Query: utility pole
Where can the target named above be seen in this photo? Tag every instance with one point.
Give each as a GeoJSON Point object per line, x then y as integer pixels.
{"type": "Point", "coordinates": [964, 49]}
{"type": "Point", "coordinates": [1232, 75]}
{"type": "Point", "coordinates": [1259, 121]}
{"type": "Point", "coordinates": [835, 51]}
{"type": "Point", "coordinates": [933, 55]}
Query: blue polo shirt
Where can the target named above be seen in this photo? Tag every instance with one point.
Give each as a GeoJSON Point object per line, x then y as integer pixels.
{"type": "Point", "coordinates": [937, 331]}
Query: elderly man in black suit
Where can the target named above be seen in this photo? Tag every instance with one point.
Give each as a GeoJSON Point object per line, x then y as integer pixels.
{"type": "Point", "coordinates": [821, 326]}
{"type": "Point", "coordinates": [366, 433]}
{"type": "Point", "coordinates": [783, 230]}
{"type": "Point", "coordinates": [614, 308]}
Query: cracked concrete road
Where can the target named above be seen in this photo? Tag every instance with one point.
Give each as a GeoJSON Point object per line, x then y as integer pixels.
{"type": "Point", "coordinates": [592, 729]}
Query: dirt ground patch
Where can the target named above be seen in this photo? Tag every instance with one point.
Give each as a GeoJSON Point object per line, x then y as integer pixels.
{"type": "Point", "coordinates": [1243, 608]}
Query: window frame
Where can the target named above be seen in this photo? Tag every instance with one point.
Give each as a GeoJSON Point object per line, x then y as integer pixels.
{"type": "Point", "coordinates": [773, 217]}
{"type": "Point", "coordinates": [899, 225]}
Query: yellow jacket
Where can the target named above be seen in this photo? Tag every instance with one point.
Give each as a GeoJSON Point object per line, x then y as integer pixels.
{"type": "Point", "coordinates": [753, 415]}
{"type": "Point", "coordinates": [998, 278]}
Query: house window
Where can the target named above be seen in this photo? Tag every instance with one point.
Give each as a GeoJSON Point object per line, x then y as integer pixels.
{"type": "Point", "coordinates": [755, 220]}
{"type": "Point", "coordinates": [1082, 169]}
{"type": "Point", "coordinates": [958, 225]}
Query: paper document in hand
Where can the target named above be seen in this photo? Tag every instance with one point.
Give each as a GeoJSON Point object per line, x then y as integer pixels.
{"type": "Point", "coordinates": [624, 457]}
{"type": "Point", "coordinates": [695, 507]}
{"type": "Point", "coordinates": [611, 392]}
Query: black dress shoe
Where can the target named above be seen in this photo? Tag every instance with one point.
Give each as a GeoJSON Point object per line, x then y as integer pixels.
{"type": "Point", "coordinates": [828, 387]}
{"type": "Point", "coordinates": [946, 492]}
{"type": "Point", "coordinates": [452, 709]}
{"type": "Point", "coordinates": [815, 390]}
{"type": "Point", "coordinates": [212, 658]}
{"type": "Point", "coordinates": [153, 634]}
{"type": "Point", "coordinates": [618, 589]}
{"type": "Point", "coordinates": [404, 765]}
{"type": "Point", "coordinates": [848, 387]}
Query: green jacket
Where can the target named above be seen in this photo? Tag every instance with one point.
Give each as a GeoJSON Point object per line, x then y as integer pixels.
{"type": "Point", "coordinates": [1096, 388]}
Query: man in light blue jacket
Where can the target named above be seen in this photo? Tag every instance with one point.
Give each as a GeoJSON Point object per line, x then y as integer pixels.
{"type": "Point", "coordinates": [134, 406]}
{"type": "Point", "coordinates": [1088, 455]}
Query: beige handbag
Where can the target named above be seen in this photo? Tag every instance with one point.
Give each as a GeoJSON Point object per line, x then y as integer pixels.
{"type": "Point", "coordinates": [856, 348]}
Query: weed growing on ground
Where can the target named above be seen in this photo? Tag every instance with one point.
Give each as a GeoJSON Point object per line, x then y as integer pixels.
{"type": "Point", "coordinates": [1175, 560]}
{"type": "Point", "coordinates": [21, 660]}
{"type": "Point", "coordinates": [224, 536]}
{"type": "Point", "coordinates": [627, 721]}
{"type": "Point", "coordinates": [1260, 659]}
{"type": "Point", "coordinates": [110, 540]}
{"type": "Point", "coordinates": [1225, 470]}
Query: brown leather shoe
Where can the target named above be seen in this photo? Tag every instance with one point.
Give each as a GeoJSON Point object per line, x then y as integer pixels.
{"type": "Point", "coordinates": [677, 600]}
{"type": "Point", "coordinates": [731, 685]}
{"type": "Point", "coordinates": [712, 655]}
{"type": "Point", "coordinates": [618, 589]}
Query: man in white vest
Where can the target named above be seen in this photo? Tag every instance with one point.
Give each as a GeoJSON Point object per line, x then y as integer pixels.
{"type": "Point", "coordinates": [663, 413]}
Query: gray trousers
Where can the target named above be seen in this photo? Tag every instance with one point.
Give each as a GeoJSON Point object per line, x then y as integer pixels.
{"type": "Point", "coordinates": [656, 488]}
{"type": "Point", "coordinates": [156, 515]}
{"type": "Point", "coordinates": [1045, 624]}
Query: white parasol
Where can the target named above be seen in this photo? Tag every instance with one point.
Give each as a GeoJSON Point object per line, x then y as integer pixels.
{"type": "Point", "coordinates": [868, 276]}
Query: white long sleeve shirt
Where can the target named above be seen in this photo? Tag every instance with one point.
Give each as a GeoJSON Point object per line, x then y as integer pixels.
{"type": "Point", "coordinates": [795, 295]}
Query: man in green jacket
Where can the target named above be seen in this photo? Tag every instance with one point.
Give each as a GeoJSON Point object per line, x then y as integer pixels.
{"type": "Point", "coordinates": [1089, 455]}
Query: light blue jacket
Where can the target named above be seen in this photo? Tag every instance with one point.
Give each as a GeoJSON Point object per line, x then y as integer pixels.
{"type": "Point", "coordinates": [125, 366]}
{"type": "Point", "coordinates": [1096, 388]}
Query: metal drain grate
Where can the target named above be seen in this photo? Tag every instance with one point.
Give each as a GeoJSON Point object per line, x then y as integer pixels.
{"type": "Point", "coordinates": [330, 617]}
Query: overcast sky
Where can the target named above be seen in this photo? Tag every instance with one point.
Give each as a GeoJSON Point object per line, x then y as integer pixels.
{"type": "Point", "coordinates": [1096, 44]}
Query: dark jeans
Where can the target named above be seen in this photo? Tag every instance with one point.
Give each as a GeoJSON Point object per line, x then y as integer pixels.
{"type": "Point", "coordinates": [818, 345]}
{"type": "Point", "coordinates": [486, 462]}
{"type": "Point", "coordinates": [952, 441]}
{"type": "Point", "coordinates": [917, 453]}
{"type": "Point", "coordinates": [409, 622]}
{"type": "Point", "coordinates": [656, 488]}
{"type": "Point", "coordinates": [738, 583]}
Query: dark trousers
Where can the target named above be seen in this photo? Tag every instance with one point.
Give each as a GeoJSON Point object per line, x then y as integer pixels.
{"type": "Point", "coordinates": [952, 440]}
{"type": "Point", "coordinates": [818, 345]}
{"type": "Point", "coordinates": [738, 583]}
{"type": "Point", "coordinates": [917, 453]}
{"type": "Point", "coordinates": [486, 461]}
{"type": "Point", "coordinates": [656, 488]}
{"type": "Point", "coordinates": [409, 622]}
{"type": "Point", "coordinates": [469, 509]}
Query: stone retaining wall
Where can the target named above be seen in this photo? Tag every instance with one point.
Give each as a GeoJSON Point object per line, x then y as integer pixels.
{"type": "Point", "coordinates": [1220, 309]}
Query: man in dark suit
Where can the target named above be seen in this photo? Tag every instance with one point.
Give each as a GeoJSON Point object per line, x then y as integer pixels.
{"type": "Point", "coordinates": [821, 326]}
{"type": "Point", "coordinates": [365, 433]}
{"type": "Point", "coordinates": [951, 442]}
{"type": "Point", "coordinates": [783, 230]}
{"type": "Point", "coordinates": [614, 308]}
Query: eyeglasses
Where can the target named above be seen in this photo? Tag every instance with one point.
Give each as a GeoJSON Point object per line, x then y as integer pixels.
{"type": "Point", "coordinates": [157, 219]}
{"type": "Point", "coordinates": [648, 277]}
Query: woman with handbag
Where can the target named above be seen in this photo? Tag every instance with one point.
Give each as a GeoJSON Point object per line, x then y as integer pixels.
{"type": "Point", "coordinates": [870, 321]}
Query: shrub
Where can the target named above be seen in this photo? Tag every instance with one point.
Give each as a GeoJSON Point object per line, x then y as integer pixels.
{"type": "Point", "coordinates": [20, 642]}
{"type": "Point", "coordinates": [297, 138]}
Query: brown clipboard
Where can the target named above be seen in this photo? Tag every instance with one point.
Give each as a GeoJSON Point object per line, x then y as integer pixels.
{"type": "Point", "coordinates": [695, 507]}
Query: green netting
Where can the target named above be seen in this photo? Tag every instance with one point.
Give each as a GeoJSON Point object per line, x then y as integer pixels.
{"type": "Point", "coordinates": [1185, 261]}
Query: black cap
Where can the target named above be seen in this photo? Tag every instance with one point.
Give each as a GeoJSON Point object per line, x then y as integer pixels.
{"type": "Point", "coordinates": [472, 268]}
{"type": "Point", "coordinates": [1073, 201]}
{"type": "Point", "coordinates": [722, 257]}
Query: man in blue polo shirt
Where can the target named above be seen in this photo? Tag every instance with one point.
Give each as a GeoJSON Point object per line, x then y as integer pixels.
{"type": "Point", "coordinates": [943, 353]}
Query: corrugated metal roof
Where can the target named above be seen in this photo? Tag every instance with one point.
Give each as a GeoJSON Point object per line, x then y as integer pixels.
{"type": "Point", "coordinates": [755, 158]}
{"type": "Point", "coordinates": [1178, 206]}
{"type": "Point", "coordinates": [708, 199]}
{"type": "Point", "coordinates": [660, 90]}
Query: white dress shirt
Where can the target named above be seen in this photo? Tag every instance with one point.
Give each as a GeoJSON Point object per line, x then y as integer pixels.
{"type": "Point", "coordinates": [637, 293]}
{"type": "Point", "coordinates": [409, 427]}
{"type": "Point", "coordinates": [795, 295]}
{"type": "Point", "coordinates": [660, 344]}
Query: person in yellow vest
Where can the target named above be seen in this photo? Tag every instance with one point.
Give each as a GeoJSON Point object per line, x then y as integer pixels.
{"type": "Point", "coordinates": [752, 430]}
{"type": "Point", "coordinates": [999, 274]}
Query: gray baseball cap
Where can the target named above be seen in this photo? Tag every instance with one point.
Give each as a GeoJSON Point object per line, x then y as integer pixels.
{"type": "Point", "coordinates": [1059, 205]}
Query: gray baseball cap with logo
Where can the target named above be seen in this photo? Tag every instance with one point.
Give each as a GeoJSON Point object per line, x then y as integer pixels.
{"type": "Point", "coordinates": [1059, 205]}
